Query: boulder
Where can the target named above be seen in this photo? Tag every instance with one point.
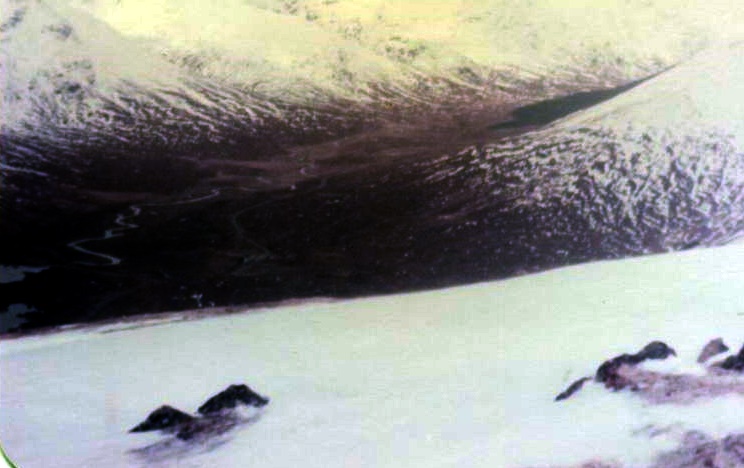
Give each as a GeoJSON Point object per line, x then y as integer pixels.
{"type": "Point", "coordinates": [231, 397]}
{"type": "Point", "coordinates": [607, 373]}
{"type": "Point", "coordinates": [165, 418]}
{"type": "Point", "coordinates": [714, 347]}
{"type": "Point", "coordinates": [733, 363]}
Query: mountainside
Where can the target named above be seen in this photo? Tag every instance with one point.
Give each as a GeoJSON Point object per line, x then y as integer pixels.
{"type": "Point", "coordinates": [116, 64]}
{"type": "Point", "coordinates": [204, 157]}
{"type": "Point", "coordinates": [170, 156]}
{"type": "Point", "coordinates": [659, 167]}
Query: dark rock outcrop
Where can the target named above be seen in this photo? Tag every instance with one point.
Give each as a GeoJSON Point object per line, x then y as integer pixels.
{"type": "Point", "coordinates": [714, 347]}
{"type": "Point", "coordinates": [623, 372]}
{"type": "Point", "coordinates": [656, 350]}
{"type": "Point", "coordinates": [700, 451]}
{"type": "Point", "coordinates": [231, 397]}
{"type": "Point", "coordinates": [217, 415]}
{"type": "Point", "coordinates": [733, 363]}
{"type": "Point", "coordinates": [573, 388]}
{"type": "Point", "coordinates": [165, 418]}
{"type": "Point", "coordinates": [608, 374]}
{"type": "Point", "coordinates": [697, 450]}
{"type": "Point", "coordinates": [209, 426]}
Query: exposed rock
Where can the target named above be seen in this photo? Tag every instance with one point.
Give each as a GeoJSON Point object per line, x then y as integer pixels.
{"type": "Point", "coordinates": [699, 451]}
{"type": "Point", "coordinates": [716, 346]}
{"type": "Point", "coordinates": [608, 374]}
{"type": "Point", "coordinates": [230, 397]}
{"type": "Point", "coordinates": [733, 363]}
{"type": "Point", "coordinates": [573, 388]}
{"type": "Point", "coordinates": [659, 388]}
{"type": "Point", "coordinates": [217, 415]}
{"type": "Point", "coordinates": [656, 350]}
{"type": "Point", "coordinates": [165, 418]}
{"type": "Point", "coordinates": [210, 426]}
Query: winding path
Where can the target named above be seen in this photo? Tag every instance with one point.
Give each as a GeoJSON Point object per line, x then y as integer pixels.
{"type": "Point", "coordinates": [124, 223]}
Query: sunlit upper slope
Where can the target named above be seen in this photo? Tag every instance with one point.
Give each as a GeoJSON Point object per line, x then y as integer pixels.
{"type": "Point", "coordinates": [64, 68]}
{"type": "Point", "coordinates": [65, 60]}
{"type": "Point", "coordinates": [51, 52]}
{"type": "Point", "coordinates": [705, 92]}
{"type": "Point", "coordinates": [345, 44]}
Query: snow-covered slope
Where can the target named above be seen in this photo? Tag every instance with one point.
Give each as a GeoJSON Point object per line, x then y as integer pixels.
{"type": "Point", "coordinates": [71, 80]}
{"type": "Point", "coordinates": [704, 93]}
{"type": "Point", "coordinates": [657, 168]}
{"type": "Point", "coordinates": [457, 377]}
{"type": "Point", "coordinates": [61, 64]}
{"type": "Point", "coordinates": [344, 45]}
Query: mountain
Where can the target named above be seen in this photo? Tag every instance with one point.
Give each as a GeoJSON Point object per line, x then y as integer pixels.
{"type": "Point", "coordinates": [171, 156]}
{"type": "Point", "coordinates": [162, 155]}
{"type": "Point", "coordinates": [109, 65]}
{"type": "Point", "coordinates": [659, 167]}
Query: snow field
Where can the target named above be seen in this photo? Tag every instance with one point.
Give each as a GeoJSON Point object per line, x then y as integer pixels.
{"type": "Point", "coordinates": [463, 376]}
